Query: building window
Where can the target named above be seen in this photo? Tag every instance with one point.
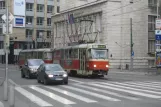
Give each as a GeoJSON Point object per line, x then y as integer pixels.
{"type": "Point", "coordinates": [39, 33]}
{"type": "Point", "coordinates": [49, 21]}
{"type": "Point", "coordinates": [40, 20]}
{"type": "Point", "coordinates": [151, 46]}
{"type": "Point", "coordinates": [29, 33]}
{"type": "Point", "coordinates": [29, 7]}
{"type": "Point", "coordinates": [152, 2]}
{"type": "Point", "coordinates": [151, 22]}
{"type": "Point", "coordinates": [48, 34]}
{"type": "Point", "coordinates": [2, 4]}
{"type": "Point", "coordinates": [49, 9]}
{"type": "Point", "coordinates": [40, 8]}
{"type": "Point", "coordinates": [1, 20]}
{"type": "Point", "coordinates": [58, 9]}
{"type": "Point", "coordinates": [29, 19]}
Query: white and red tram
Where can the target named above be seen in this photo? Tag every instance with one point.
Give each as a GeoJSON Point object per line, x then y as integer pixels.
{"type": "Point", "coordinates": [83, 59]}
{"type": "Point", "coordinates": [44, 54]}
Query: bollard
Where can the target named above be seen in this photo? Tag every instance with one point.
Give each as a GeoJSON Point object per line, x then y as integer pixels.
{"type": "Point", "coordinates": [12, 96]}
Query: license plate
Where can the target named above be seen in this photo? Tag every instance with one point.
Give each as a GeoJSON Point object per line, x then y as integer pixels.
{"type": "Point", "coordinates": [58, 78]}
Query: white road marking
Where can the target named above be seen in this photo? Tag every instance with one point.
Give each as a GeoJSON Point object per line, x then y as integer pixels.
{"type": "Point", "coordinates": [146, 85]}
{"type": "Point", "coordinates": [132, 85]}
{"type": "Point", "coordinates": [87, 100]}
{"type": "Point", "coordinates": [52, 95]}
{"type": "Point", "coordinates": [1, 104]}
{"type": "Point", "coordinates": [107, 92]}
{"type": "Point", "coordinates": [127, 91]}
{"type": "Point", "coordinates": [12, 82]}
{"type": "Point", "coordinates": [75, 81]}
{"type": "Point", "coordinates": [32, 97]}
{"type": "Point", "coordinates": [125, 87]}
{"type": "Point", "coordinates": [91, 93]}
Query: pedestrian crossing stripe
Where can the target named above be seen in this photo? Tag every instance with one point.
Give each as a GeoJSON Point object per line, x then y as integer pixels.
{"type": "Point", "coordinates": [91, 92]}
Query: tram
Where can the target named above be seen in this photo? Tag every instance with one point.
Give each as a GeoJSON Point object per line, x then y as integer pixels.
{"type": "Point", "coordinates": [44, 54]}
{"type": "Point", "coordinates": [83, 59]}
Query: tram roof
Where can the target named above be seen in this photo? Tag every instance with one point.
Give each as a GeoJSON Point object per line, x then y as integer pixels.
{"type": "Point", "coordinates": [34, 50]}
{"type": "Point", "coordinates": [80, 46]}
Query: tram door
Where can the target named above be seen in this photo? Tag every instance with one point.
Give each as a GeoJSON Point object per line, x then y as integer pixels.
{"type": "Point", "coordinates": [82, 58]}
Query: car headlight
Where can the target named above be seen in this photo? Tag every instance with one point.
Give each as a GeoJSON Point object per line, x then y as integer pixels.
{"type": "Point", "coordinates": [31, 69]}
{"type": "Point", "coordinates": [50, 76]}
{"type": "Point", "coordinates": [107, 66]}
{"type": "Point", "coordinates": [95, 65]}
{"type": "Point", "coordinates": [65, 75]}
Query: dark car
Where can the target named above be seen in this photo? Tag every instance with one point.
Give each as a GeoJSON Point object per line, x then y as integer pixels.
{"type": "Point", "coordinates": [29, 69]}
{"type": "Point", "coordinates": [50, 73]}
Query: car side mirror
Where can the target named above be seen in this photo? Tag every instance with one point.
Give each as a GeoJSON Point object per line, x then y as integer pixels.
{"type": "Point", "coordinates": [25, 64]}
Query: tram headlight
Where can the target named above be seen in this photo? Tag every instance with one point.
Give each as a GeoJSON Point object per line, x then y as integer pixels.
{"type": "Point", "coordinates": [107, 66]}
{"type": "Point", "coordinates": [95, 65]}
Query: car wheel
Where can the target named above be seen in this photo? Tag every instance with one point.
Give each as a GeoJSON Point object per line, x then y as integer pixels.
{"type": "Point", "coordinates": [45, 82]}
{"type": "Point", "coordinates": [29, 75]}
{"type": "Point", "coordinates": [38, 80]}
{"type": "Point", "coordinates": [22, 74]}
{"type": "Point", "coordinates": [65, 82]}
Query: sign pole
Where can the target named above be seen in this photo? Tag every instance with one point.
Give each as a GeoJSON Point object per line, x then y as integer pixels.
{"type": "Point", "coordinates": [131, 51]}
{"type": "Point", "coordinates": [6, 47]}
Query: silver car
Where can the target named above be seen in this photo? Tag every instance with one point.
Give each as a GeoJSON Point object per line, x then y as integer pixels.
{"type": "Point", "coordinates": [29, 69]}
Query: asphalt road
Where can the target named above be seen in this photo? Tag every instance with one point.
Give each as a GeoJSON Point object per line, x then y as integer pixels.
{"type": "Point", "coordinates": [118, 89]}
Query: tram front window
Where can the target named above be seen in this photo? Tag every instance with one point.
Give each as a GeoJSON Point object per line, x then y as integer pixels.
{"type": "Point", "coordinates": [97, 54]}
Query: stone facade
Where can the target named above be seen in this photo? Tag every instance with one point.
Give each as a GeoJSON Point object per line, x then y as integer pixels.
{"type": "Point", "coordinates": [114, 17]}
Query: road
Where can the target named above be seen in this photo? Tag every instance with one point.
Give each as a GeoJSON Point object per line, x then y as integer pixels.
{"type": "Point", "coordinates": [123, 89]}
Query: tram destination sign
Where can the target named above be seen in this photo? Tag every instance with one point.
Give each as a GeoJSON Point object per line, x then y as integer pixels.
{"type": "Point", "coordinates": [99, 46]}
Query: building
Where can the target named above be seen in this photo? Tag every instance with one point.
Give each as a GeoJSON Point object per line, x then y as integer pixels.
{"type": "Point", "coordinates": [36, 24]}
{"type": "Point", "coordinates": [114, 22]}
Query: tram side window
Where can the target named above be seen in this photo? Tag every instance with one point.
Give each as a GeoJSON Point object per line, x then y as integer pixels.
{"type": "Point", "coordinates": [73, 53]}
{"type": "Point", "coordinates": [66, 54]}
{"type": "Point", "coordinates": [40, 55]}
{"type": "Point", "coordinates": [28, 55]}
{"type": "Point", "coordinates": [35, 55]}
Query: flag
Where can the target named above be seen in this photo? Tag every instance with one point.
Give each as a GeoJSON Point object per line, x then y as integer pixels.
{"type": "Point", "coordinates": [70, 18]}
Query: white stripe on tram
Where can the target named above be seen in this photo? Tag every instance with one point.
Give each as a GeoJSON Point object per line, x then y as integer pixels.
{"type": "Point", "coordinates": [87, 100]}
{"type": "Point", "coordinates": [106, 92]}
{"type": "Point", "coordinates": [32, 97]}
{"type": "Point", "coordinates": [52, 95]}
{"type": "Point", "coordinates": [91, 93]}
{"type": "Point", "coordinates": [125, 87]}
{"type": "Point", "coordinates": [127, 91]}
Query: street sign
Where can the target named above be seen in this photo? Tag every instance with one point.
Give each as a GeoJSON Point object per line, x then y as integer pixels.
{"type": "Point", "coordinates": [10, 29]}
{"type": "Point", "coordinates": [158, 50]}
{"type": "Point", "coordinates": [157, 32]}
{"type": "Point", "coordinates": [11, 17]}
{"type": "Point", "coordinates": [158, 24]}
{"type": "Point", "coordinates": [157, 37]}
{"type": "Point", "coordinates": [132, 54]}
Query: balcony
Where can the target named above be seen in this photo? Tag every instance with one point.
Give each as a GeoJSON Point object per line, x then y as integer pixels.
{"type": "Point", "coordinates": [30, 1]}
{"type": "Point", "coordinates": [30, 25]}
{"type": "Point", "coordinates": [40, 14]}
{"type": "Point", "coordinates": [29, 13]}
{"type": "Point", "coordinates": [50, 2]}
{"type": "Point", "coordinates": [40, 2]}
{"type": "Point", "coordinates": [2, 11]}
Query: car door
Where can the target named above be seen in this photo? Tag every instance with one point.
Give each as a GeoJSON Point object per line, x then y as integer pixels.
{"type": "Point", "coordinates": [25, 67]}
{"type": "Point", "coordinates": [39, 71]}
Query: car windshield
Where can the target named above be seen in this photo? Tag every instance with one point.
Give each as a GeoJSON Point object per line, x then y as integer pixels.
{"type": "Point", "coordinates": [35, 62]}
{"type": "Point", "coordinates": [53, 67]}
{"type": "Point", "coordinates": [98, 54]}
